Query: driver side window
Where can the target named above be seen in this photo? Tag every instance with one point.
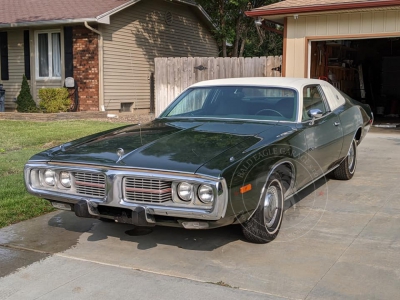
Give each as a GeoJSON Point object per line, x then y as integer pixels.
{"type": "Point", "coordinates": [313, 98]}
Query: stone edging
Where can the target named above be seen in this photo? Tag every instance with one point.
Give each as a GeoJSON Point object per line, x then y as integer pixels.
{"type": "Point", "coordinates": [108, 117]}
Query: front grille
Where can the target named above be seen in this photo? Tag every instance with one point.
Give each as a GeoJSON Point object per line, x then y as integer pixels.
{"type": "Point", "coordinates": [90, 184]}
{"type": "Point", "coordinates": [147, 190]}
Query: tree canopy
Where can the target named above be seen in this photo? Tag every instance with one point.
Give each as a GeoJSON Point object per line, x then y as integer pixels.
{"type": "Point", "coordinates": [238, 31]}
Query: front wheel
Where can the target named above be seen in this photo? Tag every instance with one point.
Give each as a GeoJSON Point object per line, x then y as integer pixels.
{"type": "Point", "coordinates": [264, 225]}
{"type": "Point", "coordinates": [347, 168]}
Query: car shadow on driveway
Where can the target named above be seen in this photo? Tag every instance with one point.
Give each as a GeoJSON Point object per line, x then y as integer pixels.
{"type": "Point", "coordinates": [146, 238]}
{"type": "Point", "coordinates": [199, 240]}
{"type": "Point", "coordinates": [314, 190]}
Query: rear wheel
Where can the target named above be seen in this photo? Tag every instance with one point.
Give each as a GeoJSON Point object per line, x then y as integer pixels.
{"type": "Point", "coordinates": [347, 168]}
{"type": "Point", "coordinates": [264, 225]}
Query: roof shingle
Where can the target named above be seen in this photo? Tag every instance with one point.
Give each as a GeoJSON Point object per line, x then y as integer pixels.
{"type": "Point", "coordinates": [24, 11]}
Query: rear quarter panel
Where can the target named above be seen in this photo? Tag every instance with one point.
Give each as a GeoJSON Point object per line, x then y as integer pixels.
{"type": "Point", "coordinates": [352, 118]}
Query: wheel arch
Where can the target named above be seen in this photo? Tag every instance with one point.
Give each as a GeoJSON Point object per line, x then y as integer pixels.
{"type": "Point", "coordinates": [358, 135]}
{"type": "Point", "coordinates": [287, 170]}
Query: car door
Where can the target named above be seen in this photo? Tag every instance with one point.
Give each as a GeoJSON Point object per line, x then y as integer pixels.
{"type": "Point", "coordinates": [324, 136]}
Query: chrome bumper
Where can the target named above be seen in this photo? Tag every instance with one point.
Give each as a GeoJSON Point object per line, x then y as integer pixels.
{"type": "Point", "coordinates": [114, 196]}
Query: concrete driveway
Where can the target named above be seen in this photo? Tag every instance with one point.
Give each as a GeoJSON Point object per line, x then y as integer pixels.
{"type": "Point", "coordinates": [341, 240]}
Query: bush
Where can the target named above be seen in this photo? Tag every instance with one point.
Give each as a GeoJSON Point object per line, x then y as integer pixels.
{"type": "Point", "coordinates": [54, 100]}
{"type": "Point", "coordinates": [25, 102]}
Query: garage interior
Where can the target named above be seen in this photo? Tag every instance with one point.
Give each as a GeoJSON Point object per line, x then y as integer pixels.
{"type": "Point", "coordinates": [368, 70]}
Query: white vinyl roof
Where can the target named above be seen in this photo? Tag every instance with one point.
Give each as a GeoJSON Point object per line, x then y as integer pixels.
{"type": "Point", "coordinates": [334, 98]}
{"type": "Point", "coordinates": [288, 82]}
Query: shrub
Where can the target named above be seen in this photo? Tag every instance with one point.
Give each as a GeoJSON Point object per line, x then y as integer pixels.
{"type": "Point", "coordinates": [25, 102]}
{"type": "Point", "coordinates": [54, 100]}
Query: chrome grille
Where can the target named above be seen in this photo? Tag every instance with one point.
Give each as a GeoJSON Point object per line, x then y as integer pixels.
{"type": "Point", "coordinates": [90, 184]}
{"type": "Point", "coordinates": [147, 190]}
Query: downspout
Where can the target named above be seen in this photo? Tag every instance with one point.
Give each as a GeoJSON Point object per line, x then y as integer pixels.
{"type": "Point", "coordinates": [101, 72]}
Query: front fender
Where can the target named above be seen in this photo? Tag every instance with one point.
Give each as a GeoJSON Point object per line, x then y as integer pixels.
{"type": "Point", "coordinates": [247, 179]}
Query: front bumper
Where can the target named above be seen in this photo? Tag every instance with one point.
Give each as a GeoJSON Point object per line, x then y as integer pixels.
{"type": "Point", "coordinates": [114, 199]}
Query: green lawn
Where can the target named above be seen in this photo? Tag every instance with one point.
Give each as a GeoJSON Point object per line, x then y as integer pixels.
{"type": "Point", "coordinates": [19, 140]}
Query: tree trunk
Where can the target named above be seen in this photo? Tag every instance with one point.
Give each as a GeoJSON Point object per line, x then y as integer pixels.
{"type": "Point", "coordinates": [235, 52]}
{"type": "Point", "coordinates": [244, 39]}
{"type": "Point", "coordinates": [221, 9]}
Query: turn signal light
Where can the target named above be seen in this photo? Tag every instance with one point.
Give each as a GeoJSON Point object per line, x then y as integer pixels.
{"type": "Point", "coordinates": [245, 189]}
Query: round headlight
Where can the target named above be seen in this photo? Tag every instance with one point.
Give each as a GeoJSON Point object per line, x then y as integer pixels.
{"type": "Point", "coordinates": [205, 193]}
{"type": "Point", "coordinates": [49, 177]}
{"type": "Point", "coordinates": [185, 191]}
{"type": "Point", "coordinates": [65, 179]}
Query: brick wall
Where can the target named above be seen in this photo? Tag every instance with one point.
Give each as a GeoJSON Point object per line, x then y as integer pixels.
{"type": "Point", "coordinates": [86, 67]}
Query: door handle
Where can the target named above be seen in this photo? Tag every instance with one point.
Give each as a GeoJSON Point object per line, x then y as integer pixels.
{"type": "Point", "coordinates": [336, 123]}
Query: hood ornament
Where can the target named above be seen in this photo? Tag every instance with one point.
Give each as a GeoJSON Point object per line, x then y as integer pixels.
{"type": "Point", "coordinates": [120, 153]}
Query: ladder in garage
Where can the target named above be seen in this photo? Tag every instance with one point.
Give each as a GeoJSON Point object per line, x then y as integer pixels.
{"type": "Point", "coordinates": [361, 79]}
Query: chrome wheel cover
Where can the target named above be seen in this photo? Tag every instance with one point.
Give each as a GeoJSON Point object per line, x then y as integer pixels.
{"type": "Point", "coordinates": [271, 205]}
{"type": "Point", "coordinates": [351, 158]}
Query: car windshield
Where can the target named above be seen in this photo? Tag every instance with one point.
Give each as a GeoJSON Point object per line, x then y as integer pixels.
{"type": "Point", "coordinates": [235, 102]}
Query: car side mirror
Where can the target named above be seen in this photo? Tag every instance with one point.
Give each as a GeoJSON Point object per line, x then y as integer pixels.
{"type": "Point", "coordinates": [314, 114]}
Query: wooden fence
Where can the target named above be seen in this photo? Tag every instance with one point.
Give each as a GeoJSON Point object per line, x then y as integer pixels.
{"type": "Point", "coordinates": [174, 74]}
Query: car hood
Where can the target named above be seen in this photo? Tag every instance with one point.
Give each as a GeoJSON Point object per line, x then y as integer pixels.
{"type": "Point", "coordinates": [182, 146]}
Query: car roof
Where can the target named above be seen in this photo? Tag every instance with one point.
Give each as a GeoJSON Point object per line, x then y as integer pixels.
{"type": "Point", "coordinates": [287, 82]}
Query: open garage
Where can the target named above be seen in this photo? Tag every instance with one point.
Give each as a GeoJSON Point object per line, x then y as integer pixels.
{"type": "Point", "coordinates": [353, 44]}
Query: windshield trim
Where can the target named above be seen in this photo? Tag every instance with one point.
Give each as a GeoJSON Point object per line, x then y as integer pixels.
{"type": "Point", "coordinates": [171, 106]}
{"type": "Point", "coordinates": [226, 119]}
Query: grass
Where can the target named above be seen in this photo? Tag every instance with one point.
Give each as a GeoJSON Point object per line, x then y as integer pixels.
{"type": "Point", "coordinates": [19, 140]}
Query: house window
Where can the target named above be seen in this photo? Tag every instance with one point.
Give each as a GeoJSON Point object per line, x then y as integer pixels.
{"type": "Point", "coordinates": [48, 54]}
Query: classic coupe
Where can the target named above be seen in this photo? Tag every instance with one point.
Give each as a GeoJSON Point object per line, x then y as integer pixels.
{"type": "Point", "coordinates": [227, 151]}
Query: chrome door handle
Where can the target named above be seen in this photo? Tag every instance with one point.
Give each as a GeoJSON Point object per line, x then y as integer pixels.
{"type": "Point", "coordinates": [336, 123]}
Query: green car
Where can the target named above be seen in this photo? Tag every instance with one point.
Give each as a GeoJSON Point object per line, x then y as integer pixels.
{"type": "Point", "coordinates": [227, 151]}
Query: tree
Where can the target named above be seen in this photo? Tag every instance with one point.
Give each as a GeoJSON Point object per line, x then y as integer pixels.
{"type": "Point", "coordinates": [25, 102]}
{"type": "Point", "coordinates": [235, 28]}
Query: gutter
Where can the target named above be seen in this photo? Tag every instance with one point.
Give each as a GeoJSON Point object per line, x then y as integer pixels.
{"type": "Point", "coordinates": [47, 22]}
{"type": "Point", "coordinates": [101, 64]}
{"type": "Point", "coordinates": [321, 8]}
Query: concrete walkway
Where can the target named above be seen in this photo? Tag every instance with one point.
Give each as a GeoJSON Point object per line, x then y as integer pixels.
{"type": "Point", "coordinates": [340, 241]}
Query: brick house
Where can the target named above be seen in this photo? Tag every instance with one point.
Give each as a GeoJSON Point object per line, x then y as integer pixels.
{"type": "Point", "coordinates": [107, 46]}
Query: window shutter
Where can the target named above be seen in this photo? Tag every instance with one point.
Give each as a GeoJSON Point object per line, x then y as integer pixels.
{"type": "Point", "coordinates": [4, 55]}
{"type": "Point", "coordinates": [68, 52]}
{"type": "Point", "coordinates": [27, 55]}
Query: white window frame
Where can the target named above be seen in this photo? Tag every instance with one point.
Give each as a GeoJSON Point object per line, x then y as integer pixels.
{"type": "Point", "coordinates": [50, 53]}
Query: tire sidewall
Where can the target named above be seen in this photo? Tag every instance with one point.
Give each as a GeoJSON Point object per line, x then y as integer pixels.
{"type": "Point", "coordinates": [275, 181]}
{"type": "Point", "coordinates": [354, 146]}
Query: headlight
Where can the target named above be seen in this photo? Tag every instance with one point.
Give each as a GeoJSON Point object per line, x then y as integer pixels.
{"type": "Point", "coordinates": [65, 179]}
{"type": "Point", "coordinates": [185, 191]}
{"type": "Point", "coordinates": [49, 177]}
{"type": "Point", "coordinates": [205, 193]}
